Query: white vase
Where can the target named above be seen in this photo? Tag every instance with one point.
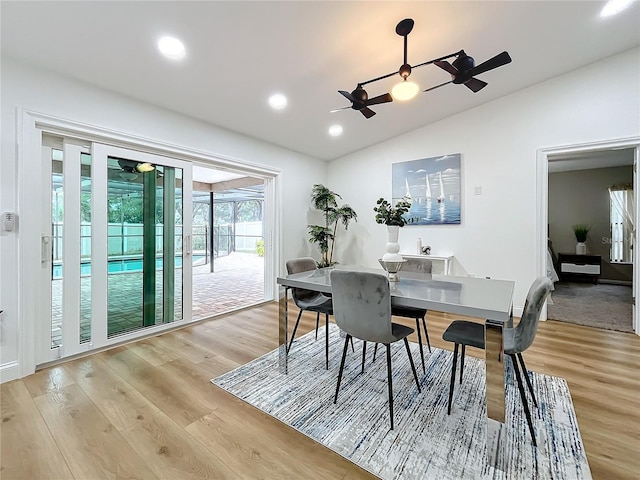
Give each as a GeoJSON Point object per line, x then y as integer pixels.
{"type": "Point", "coordinates": [392, 247]}
{"type": "Point", "coordinates": [581, 248]}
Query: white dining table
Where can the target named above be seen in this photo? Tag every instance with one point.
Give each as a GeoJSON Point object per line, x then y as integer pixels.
{"type": "Point", "coordinates": [489, 299]}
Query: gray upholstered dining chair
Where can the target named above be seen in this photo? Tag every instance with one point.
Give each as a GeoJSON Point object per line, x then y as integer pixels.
{"type": "Point", "coordinates": [362, 308]}
{"type": "Point", "coordinates": [515, 340]}
{"type": "Point", "coordinates": [422, 266]}
{"type": "Point", "coordinates": [309, 300]}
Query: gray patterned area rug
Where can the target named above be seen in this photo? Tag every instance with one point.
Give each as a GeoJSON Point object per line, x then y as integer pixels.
{"type": "Point", "coordinates": [426, 443]}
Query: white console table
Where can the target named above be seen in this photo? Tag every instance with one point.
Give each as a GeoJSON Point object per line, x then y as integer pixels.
{"type": "Point", "coordinates": [441, 264]}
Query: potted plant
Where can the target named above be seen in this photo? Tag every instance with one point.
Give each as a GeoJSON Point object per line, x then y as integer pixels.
{"type": "Point", "coordinates": [581, 232]}
{"type": "Point", "coordinates": [325, 200]}
{"type": "Point", "coordinates": [393, 218]}
{"type": "Point", "coordinates": [388, 215]}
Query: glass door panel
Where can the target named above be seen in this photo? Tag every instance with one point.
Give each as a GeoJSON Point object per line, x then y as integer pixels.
{"type": "Point", "coordinates": [115, 246]}
{"type": "Point", "coordinates": [145, 248]}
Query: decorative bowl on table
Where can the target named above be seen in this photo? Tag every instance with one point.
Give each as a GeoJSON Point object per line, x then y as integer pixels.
{"type": "Point", "coordinates": [392, 268]}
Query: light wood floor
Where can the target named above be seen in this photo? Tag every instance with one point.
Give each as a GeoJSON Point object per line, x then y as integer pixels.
{"type": "Point", "coordinates": [148, 410]}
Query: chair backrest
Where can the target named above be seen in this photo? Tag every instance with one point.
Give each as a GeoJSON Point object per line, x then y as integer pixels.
{"type": "Point", "coordinates": [362, 305]}
{"type": "Point", "coordinates": [525, 331]}
{"type": "Point", "coordinates": [300, 265]}
{"type": "Point", "coordinates": [416, 265]}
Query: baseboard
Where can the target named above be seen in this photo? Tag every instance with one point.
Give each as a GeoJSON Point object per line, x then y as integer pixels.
{"type": "Point", "coordinates": [626, 283]}
{"type": "Point", "coordinates": [9, 371]}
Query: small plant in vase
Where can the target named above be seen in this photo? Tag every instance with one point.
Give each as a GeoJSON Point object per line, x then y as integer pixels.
{"type": "Point", "coordinates": [581, 232]}
{"type": "Point", "coordinates": [393, 218]}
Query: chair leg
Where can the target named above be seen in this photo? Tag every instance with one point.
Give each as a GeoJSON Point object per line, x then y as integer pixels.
{"type": "Point", "coordinates": [525, 373]}
{"type": "Point", "coordinates": [375, 350]}
{"type": "Point", "coordinates": [424, 370]}
{"type": "Point", "coordinates": [413, 367]}
{"type": "Point", "coordinates": [317, 323]}
{"type": "Point", "coordinates": [389, 383]}
{"type": "Point", "coordinates": [523, 397]}
{"type": "Point", "coordinates": [326, 341]}
{"type": "Point", "coordinates": [344, 355]}
{"type": "Point", "coordinates": [453, 377]}
{"type": "Point", "coordinates": [353, 349]}
{"type": "Point", "coordinates": [364, 353]}
{"type": "Point", "coordinates": [464, 350]}
{"type": "Point", "coordinates": [293, 335]}
{"type": "Point", "coordinates": [426, 333]}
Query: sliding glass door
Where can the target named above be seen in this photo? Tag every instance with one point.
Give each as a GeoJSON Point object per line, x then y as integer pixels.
{"type": "Point", "coordinates": [116, 245]}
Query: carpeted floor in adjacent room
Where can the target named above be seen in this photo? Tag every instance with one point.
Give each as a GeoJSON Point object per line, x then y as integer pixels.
{"type": "Point", "coordinates": [601, 306]}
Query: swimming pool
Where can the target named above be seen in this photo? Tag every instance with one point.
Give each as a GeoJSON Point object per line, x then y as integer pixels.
{"type": "Point", "coordinates": [120, 265]}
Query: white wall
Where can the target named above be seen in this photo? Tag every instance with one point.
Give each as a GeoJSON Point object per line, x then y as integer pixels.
{"type": "Point", "coordinates": [498, 142]}
{"type": "Point", "coordinates": [24, 87]}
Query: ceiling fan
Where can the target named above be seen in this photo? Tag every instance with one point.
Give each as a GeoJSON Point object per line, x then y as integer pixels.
{"type": "Point", "coordinates": [463, 71]}
{"type": "Point", "coordinates": [360, 101]}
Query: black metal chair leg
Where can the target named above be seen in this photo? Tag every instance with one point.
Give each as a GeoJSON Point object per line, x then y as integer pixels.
{"type": "Point", "coordinates": [344, 355]}
{"type": "Point", "coordinates": [375, 350]}
{"type": "Point", "coordinates": [424, 370]}
{"type": "Point", "coordinates": [523, 397]}
{"type": "Point", "coordinates": [413, 367]}
{"type": "Point", "coordinates": [525, 373]}
{"type": "Point", "coordinates": [293, 335]}
{"type": "Point", "coordinates": [317, 323]}
{"type": "Point", "coordinates": [453, 377]}
{"type": "Point", "coordinates": [390, 383]}
{"type": "Point", "coordinates": [326, 341]}
{"type": "Point", "coordinates": [353, 349]}
{"type": "Point", "coordinates": [426, 333]}
{"type": "Point", "coordinates": [464, 350]}
{"type": "Point", "coordinates": [364, 353]}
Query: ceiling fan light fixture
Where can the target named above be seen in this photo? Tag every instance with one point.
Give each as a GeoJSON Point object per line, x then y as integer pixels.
{"type": "Point", "coordinates": [145, 167]}
{"type": "Point", "coordinates": [405, 90]}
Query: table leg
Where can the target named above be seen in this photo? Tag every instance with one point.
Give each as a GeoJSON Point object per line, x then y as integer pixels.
{"type": "Point", "coordinates": [283, 330]}
{"type": "Point", "coordinates": [494, 358]}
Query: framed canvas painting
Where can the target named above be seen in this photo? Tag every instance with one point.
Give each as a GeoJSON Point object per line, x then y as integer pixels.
{"type": "Point", "coordinates": [433, 187]}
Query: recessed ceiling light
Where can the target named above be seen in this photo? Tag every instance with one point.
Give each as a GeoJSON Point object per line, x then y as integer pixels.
{"type": "Point", "coordinates": [277, 101]}
{"type": "Point", "coordinates": [171, 48]}
{"type": "Point", "coordinates": [614, 6]}
{"type": "Point", "coordinates": [335, 130]}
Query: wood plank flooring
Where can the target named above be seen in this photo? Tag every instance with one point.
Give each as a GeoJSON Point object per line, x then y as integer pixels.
{"type": "Point", "coordinates": [147, 409]}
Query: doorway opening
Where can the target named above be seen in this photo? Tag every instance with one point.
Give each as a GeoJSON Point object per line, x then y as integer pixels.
{"type": "Point", "coordinates": [594, 287]}
{"type": "Point", "coordinates": [228, 241]}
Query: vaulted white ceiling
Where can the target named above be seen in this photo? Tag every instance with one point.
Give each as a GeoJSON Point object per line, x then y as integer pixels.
{"type": "Point", "coordinates": [238, 53]}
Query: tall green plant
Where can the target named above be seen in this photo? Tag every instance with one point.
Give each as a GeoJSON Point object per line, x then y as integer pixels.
{"type": "Point", "coordinates": [326, 201]}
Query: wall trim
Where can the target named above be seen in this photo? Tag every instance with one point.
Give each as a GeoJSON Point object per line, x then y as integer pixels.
{"type": "Point", "coordinates": [9, 371]}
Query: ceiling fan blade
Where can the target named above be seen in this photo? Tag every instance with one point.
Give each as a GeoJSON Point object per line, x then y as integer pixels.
{"type": "Point", "coordinates": [380, 99]}
{"type": "Point", "coordinates": [438, 86]}
{"type": "Point", "coordinates": [347, 95]}
{"type": "Point", "coordinates": [339, 109]}
{"type": "Point", "coordinates": [447, 67]}
{"type": "Point", "coordinates": [495, 62]}
{"type": "Point", "coordinates": [475, 85]}
{"type": "Point", "coordinates": [367, 112]}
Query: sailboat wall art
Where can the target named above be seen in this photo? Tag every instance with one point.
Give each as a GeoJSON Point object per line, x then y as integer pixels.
{"type": "Point", "coordinates": [433, 187]}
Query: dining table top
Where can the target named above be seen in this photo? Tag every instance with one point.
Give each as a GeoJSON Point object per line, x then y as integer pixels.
{"type": "Point", "coordinates": [476, 297]}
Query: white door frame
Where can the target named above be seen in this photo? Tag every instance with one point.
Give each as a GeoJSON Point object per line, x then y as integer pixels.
{"type": "Point", "coordinates": [31, 126]}
{"type": "Point", "coordinates": [542, 203]}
